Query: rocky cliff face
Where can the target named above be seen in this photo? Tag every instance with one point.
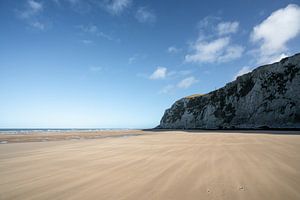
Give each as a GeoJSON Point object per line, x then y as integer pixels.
{"type": "Point", "coordinates": [267, 97]}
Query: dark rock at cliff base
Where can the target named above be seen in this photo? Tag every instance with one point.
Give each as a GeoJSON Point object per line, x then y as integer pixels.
{"type": "Point", "coordinates": [267, 97]}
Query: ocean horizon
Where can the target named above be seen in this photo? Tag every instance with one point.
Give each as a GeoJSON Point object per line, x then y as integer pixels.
{"type": "Point", "coordinates": [54, 130]}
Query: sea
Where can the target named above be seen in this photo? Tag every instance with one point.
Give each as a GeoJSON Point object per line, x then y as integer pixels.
{"type": "Point", "coordinates": [52, 130]}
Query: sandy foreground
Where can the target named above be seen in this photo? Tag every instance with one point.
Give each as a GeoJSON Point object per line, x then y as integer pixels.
{"type": "Point", "coordinates": [153, 165]}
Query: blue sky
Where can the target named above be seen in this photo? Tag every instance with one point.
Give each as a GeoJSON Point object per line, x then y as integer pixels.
{"type": "Point", "coordinates": [121, 63]}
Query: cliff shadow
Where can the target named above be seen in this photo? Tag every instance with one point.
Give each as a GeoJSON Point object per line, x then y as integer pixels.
{"type": "Point", "coordinates": [275, 131]}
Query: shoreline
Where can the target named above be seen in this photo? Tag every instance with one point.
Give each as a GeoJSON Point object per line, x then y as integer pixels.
{"type": "Point", "coordinates": [69, 135]}
{"type": "Point", "coordinates": [100, 134]}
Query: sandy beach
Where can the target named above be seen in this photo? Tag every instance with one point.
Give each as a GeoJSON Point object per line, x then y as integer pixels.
{"type": "Point", "coordinates": [151, 165]}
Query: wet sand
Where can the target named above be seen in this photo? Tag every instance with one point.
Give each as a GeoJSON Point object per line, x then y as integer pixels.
{"type": "Point", "coordinates": [67, 135]}
{"type": "Point", "coordinates": [154, 165]}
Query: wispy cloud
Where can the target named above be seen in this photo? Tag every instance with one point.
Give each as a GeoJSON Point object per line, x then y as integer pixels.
{"type": "Point", "coordinates": [37, 25]}
{"type": "Point", "coordinates": [94, 30]}
{"type": "Point", "coordinates": [30, 14]}
{"type": "Point", "coordinates": [159, 73]}
{"type": "Point", "coordinates": [274, 32]}
{"type": "Point", "coordinates": [132, 59]}
{"type": "Point", "coordinates": [167, 89]}
{"type": "Point", "coordinates": [183, 84]}
{"type": "Point", "coordinates": [173, 50]}
{"type": "Point", "coordinates": [57, 2]}
{"type": "Point", "coordinates": [174, 74]}
{"type": "Point", "coordinates": [135, 58]}
{"type": "Point", "coordinates": [225, 28]}
{"type": "Point", "coordinates": [165, 73]}
{"type": "Point", "coordinates": [116, 7]}
{"type": "Point", "coordinates": [144, 15]}
{"type": "Point", "coordinates": [214, 43]}
{"type": "Point", "coordinates": [208, 25]}
{"type": "Point", "coordinates": [187, 82]}
{"type": "Point", "coordinates": [87, 42]}
{"type": "Point", "coordinates": [95, 69]}
{"type": "Point", "coordinates": [91, 28]}
{"type": "Point", "coordinates": [80, 6]}
{"type": "Point", "coordinates": [32, 8]}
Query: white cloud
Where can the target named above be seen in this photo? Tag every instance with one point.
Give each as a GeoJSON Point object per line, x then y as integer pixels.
{"type": "Point", "coordinates": [144, 15]}
{"type": "Point", "coordinates": [159, 73]}
{"type": "Point", "coordinates": [242, 71]}
{"type": "Point", "coordinates": [116, 7]}
{"type": "Point", "coordinates": [207, 51]}
{"type": "Point", "coordinates": [187, 82]}
{"type": "Point", "coordinates": [218, 50]}
{"type": "Point", "coordinates": [277, 58]}
{"type": "Point", "coordinates": [274, 32]}
{"type": "Point", "coordinates": [224, 28]}
{"type": "Point", "coordinates": [212, 27]}
{"type": "Point", "coordinates": [214, 42]}
{"type": "Point", "coordinates": [231, 52]}
{"type": "Point", "coordinates": [173, 49]}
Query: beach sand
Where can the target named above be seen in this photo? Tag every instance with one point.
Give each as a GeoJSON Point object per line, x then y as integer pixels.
{"type": "Point", "coordinates": [153, 165]}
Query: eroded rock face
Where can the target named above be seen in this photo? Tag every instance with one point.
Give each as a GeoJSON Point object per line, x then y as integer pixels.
{"type": "Point", "coordinates": [267, 97]}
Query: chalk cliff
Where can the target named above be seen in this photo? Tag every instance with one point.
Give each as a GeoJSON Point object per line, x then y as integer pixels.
{"type": "Point", "coordinates": [267, 97]}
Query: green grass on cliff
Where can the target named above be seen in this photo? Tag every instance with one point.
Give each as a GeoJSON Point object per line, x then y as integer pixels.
{"type": "Point", "coordinates": [194, 95]}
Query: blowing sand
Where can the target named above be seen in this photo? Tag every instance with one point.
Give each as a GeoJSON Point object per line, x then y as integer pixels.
{"type": "Point", "coordinates": [154, 165]}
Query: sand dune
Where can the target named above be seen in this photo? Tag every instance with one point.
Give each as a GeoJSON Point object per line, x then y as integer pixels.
{"type": "Point", "coordinates": [166, 165]}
